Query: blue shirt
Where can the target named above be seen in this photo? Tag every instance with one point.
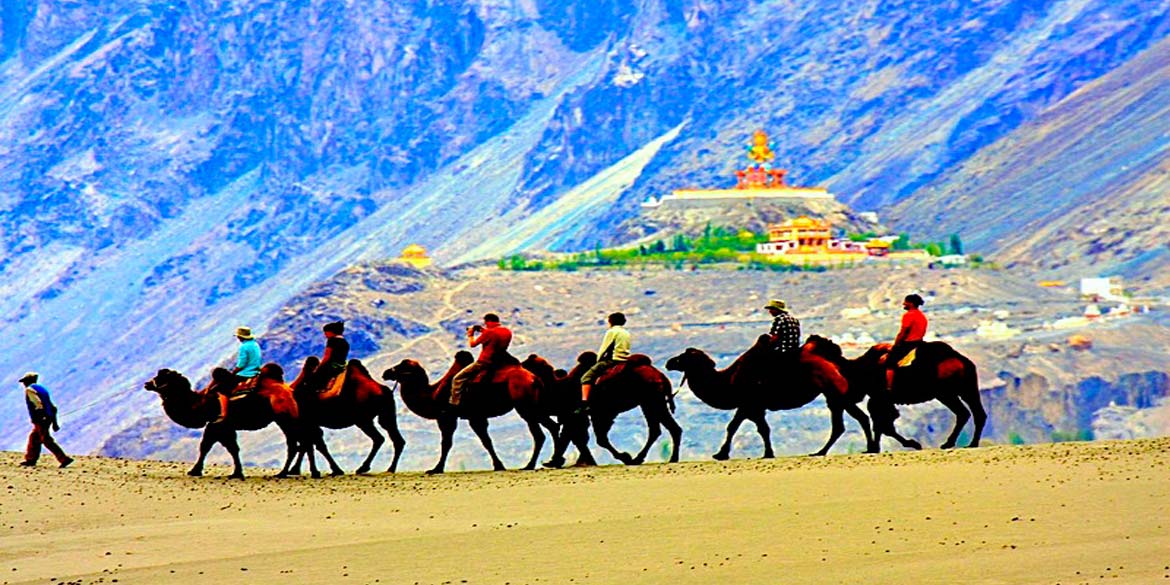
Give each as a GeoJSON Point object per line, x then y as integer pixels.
{"type": "Point", "coordinates": [248, 364]}
{"type": "Point", "coordinates": [39, 403]}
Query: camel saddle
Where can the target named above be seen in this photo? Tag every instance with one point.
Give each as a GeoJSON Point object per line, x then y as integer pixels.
{"type": "Point", "coordinates": [244, 388]}
{"type": "Point", "coordinates": [620, 368]}
{"type": "Point", "coordinates": [484, 376]}
{"type": "Point", "coordinates": [332, 387]}
{"type": "Point", "coordinates": [909, 359]}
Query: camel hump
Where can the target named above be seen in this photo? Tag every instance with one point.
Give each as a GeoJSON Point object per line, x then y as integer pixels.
{"type": "Point", "coordinates": [639, 359]}
{"type": "Point", "coordinates": [357, 366]}
{"type": "Point", "coordinates": [272, 371]}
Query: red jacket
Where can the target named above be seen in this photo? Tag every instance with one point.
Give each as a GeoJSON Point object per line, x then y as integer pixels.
{"type": "Point", "coordinates": [495, 339]}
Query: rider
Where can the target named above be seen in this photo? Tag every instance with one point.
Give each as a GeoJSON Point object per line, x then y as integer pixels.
{"type": "Point", "coordinates": [493, 339]}
{"type": "Point", "coordinates": [335, 357]}
{"type": "Point", "coordinates": [615, 349]}
{"type": "Point", "coordinates": [247, 366]}
{"type": "Point", "coordinates": [783, 345]}
{"type": "Point", "coordinates": [909, 336]}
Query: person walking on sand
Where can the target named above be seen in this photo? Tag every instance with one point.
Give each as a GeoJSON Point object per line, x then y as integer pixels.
{"type": "Point", "coordinates": [44, 418]}
{"type": "Point", "coordinates": [615, 349]}
{"type": "Point", "coordinates": [493, 340]}
{"type": "Point", "coordinates": [910, 336]}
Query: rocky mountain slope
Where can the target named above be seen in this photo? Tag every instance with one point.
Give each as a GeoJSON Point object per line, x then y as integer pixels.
{"type": "Point", "coordinates": [173, 169]}
{"type": "Point", "coordinates": [1062, 210]}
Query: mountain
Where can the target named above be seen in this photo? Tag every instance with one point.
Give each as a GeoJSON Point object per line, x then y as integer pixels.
{"type": "Point", "coordinates": [1081, 189]}
{"type": "Point", "coordinates": [171, 170]}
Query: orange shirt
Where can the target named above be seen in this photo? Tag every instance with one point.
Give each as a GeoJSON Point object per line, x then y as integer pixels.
{"type": "Point", "coordinates": [913, 327]}
{"type": "Point", "coordinates": [494, 340]}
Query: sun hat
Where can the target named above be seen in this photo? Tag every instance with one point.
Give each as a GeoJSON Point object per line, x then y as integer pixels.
{"type": "Point", "coordinates": [244, 333]}
{"type": "Point", "coordinates": [33, 376]}
{"type": "Point", "coordinates": [777, 304]}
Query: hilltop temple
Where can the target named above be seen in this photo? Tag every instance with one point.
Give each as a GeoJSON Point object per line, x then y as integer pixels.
{"type": "Point", "coordinates": [808, 237]}
{"type": "Point", "coordinates": [415, 255]}
{"type": "Point", "coordinates": [759, 180]}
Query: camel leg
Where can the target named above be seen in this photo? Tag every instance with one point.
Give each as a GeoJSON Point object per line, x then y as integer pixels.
{"type": "Point", "coordinates": [447, 431]}
{"type": "Point", "coordinates": [389, 422]}
{"type": "Point", "coordinates": [560, 445]}
{"type": "Point", "coordinates": [601, 426]}
{"type": "Point", "coordinates": [580, 438]}
{"type": "Point", "coordinates": [319, 442]}
{"type": "Point", "coordinates": [725, 451]}
{"type": "Point", "coordinates": [838, 416]}
{"type": "Point", "coordinates": [233, 448]}
{"type": "Point", "coordinates": [480, 426]}
{"type": "Point", "coordinates": [760, 418]}
{"type": "Point", "coordinates": [978, 414]}
{"type": "Point", "coordinates": [859, 415]}
{"type": "Point", "coordinates": [675, 431]}
{"type": "Point", "coordinates": [209, 439]}
{"type": "Point", "coordinates": [295, 449]}
{"type": "Point", "coordinates": [376, 440]}
{"type": "Point", "coordinates": [961, 417]}
{"type": "Point", "coordinates": [653, 431]}
{"type": "Point", "coordinates": [537, 443]}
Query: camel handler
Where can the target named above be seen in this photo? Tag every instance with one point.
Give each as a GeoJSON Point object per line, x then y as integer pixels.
{"type": "Point", "coordinates": [246, 370]}
{"type": "Point", "coordinates": [909, 336]}
{"type": "Point", "coordinates": [493, 339]}
{"type": "Point", "coordinates": [335, 357]}
{"type": "Point", "coordinates": [615, 349]}
{"type": "Point", "coordinates": [44, 416]}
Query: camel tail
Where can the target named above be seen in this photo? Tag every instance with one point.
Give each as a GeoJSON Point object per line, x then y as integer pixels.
{"type": "Point", "coordinates": [668, 390]}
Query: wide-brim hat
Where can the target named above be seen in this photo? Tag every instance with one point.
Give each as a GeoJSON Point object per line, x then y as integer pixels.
{"type": "Point", "coordinates": [777, 304]}
{"type": "Point", "coordinates": [33, 376]}
{"type": "Point", "coordinates": [244, 333]}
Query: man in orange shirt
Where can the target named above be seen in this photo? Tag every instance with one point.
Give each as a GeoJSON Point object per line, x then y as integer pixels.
{"type": "Point", "coordinates": [909, 336]}
{"type": "Point", "coordinates": [493, 339]}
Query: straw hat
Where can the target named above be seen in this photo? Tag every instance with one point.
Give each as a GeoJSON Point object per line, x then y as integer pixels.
{"type": "Point", "coordinates": [29, 377]}
{"type": "Point", "coordinates": [244, 333]}
{"type": "Point", "coordinates": [777, 304]}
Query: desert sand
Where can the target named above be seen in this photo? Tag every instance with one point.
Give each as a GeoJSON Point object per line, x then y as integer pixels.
{"type": "Point", "coordinates": [1065, 513]}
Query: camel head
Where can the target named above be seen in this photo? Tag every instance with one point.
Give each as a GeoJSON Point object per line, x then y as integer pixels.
{"type": "Point", "coordinates": [690, 360]}
{"type": "Point", "coordinates": [168, 382]}
{"type": "Point", "coordinates": [822, 347]}
{"type": "Point", "coordinates": [406, 371]}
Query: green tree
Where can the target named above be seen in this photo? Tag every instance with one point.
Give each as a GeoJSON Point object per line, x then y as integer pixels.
{"type": "Point", "coordinates": [956, 244]}
{"type": "Point", "coordinates": [902, 243]}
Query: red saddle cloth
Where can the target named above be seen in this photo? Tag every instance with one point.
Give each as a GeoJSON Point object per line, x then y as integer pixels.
{"type": "Point", "coordinates": [620, 368]}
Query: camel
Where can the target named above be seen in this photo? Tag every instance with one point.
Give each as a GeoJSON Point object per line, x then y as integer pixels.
{"type": "Point", "coordinates": [938, 373]}
{"type": "Point", "coordinates": [562, 398]}
{"type": "Point", "coordinates": [635, 384]}
{"type": "Point", "coordinates": [361, 400]}
{"type": "Point", "coordinates": [508, 387]}
{"type": "Point", "coordinates": [750, 400]}
{"type": "Point", "coordinates": [271, 401]}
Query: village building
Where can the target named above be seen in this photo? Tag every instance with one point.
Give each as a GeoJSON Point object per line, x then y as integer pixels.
{"type": "Point", "coordinates": [813, 239]}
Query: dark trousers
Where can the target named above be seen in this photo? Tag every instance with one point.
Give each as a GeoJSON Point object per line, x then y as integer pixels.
{"type": "Point", "coordinates": [40, 435]}
{"type": "Point", "coordinates": [900, 351]}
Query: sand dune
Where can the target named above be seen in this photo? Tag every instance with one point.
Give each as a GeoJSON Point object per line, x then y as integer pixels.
{"type": "Point", "coordinates": [1064, 513]}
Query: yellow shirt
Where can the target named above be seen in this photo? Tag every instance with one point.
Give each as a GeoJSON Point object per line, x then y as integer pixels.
{"type": "Point", "coordinates": [620, 338]}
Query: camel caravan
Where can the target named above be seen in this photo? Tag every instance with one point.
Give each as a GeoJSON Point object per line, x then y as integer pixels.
{"type": "Point", "coordinates": [778, 372]}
